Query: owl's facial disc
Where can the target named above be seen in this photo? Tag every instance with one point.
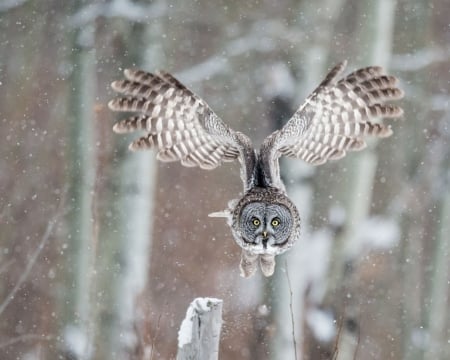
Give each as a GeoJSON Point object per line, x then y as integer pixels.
{"type": "Point", "coordinates": [265, 227]}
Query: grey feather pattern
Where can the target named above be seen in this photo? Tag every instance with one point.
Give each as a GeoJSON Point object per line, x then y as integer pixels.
{"type": "Point", "coordinates": [338, 116]}
{"type": "Point", "coordinates": [178, 124]}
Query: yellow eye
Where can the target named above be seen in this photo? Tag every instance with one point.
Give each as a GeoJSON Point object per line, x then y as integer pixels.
{"type": "Point", "coordinates": [275, 222]}
{"type": "Point", "coordinates": [256, 222]}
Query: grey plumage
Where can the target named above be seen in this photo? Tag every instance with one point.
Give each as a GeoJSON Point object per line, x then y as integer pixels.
{"type": "Point", "coordinates": [264, 204]}
{"type": "Point", "coordinates": [336, 118]}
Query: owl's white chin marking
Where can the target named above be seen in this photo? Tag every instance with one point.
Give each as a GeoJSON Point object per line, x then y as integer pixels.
{"type": "Point", "coordinates": [260, 249]}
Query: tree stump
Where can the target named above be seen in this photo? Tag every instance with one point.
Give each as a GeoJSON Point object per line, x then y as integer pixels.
{"type": "Point", "coordinates": [199, 333]}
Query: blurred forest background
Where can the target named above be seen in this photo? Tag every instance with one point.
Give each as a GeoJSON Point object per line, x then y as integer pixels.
{"type": "Point", "coordinates": [102, 250]}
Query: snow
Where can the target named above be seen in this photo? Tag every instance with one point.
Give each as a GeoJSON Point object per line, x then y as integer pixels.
{"type": "Point", "coordinates": [76, 341]}
{"type": "Point", "coordinates": [322, 324]}
{"type": "Point", "coordinates": [118, 8]}
{"type": "Point", "coordinates": [379, 232]}
{"type": "Point", "coordinates": [6, 5]}
{"type": "Point", "coordinates": [279, 82]}
{"type": "Point", "coordinates": [257, 39]}
{"type": "Point", "coordinates": [337, 216]}
{"type": "Point", "coordinates": [419, 59]}
{"type": "Point", "coordinates": [373, 233]}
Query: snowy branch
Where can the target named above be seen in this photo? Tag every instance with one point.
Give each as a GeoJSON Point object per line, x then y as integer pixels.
{"type": "Point", "coordinates": [7, 5]}
{"type": "Point", "coordinates": [262, 38]}
{"type": "Point", "coordinates": [22, 338]}
{"type": "Point", "coordinates": [118, 8]}
{"type": "Point", "coordinates": [420, 59]}
{"type": "Point", "coordinates": [219, 63]}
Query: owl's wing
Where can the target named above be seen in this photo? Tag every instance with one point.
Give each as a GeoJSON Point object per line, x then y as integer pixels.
{"type": "Point", "coordinates": [338, 116]}
{"type": "Point", "coordinates": [178, 124]}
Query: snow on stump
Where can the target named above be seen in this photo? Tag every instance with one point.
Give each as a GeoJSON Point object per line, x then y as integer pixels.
{"type": "Point", "coordinates": [198, 338]}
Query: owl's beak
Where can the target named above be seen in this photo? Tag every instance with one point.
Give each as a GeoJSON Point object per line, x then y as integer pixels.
{"type": "Point", "coordinates": [264, 233]}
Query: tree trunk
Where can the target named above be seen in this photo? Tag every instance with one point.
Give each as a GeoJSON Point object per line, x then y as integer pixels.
{"type": "Point", "coordinates": [288, 341]}
{"type": "Point", "coordinates": [137, 174]}
{"type": "Point", "coordinates": [378, 33]}
{"type": "Point", "coordinates": [438, 313]}
{"type": "Point", "coordinates": [81, 186]}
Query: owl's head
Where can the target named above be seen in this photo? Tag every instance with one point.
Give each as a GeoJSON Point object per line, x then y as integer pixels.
{"type": "Point", "coordinates": [264, 223]}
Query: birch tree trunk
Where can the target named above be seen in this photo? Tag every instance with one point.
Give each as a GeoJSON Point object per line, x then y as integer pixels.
{"type": "Point", "coordinates": [414, 223]}
{"type": "Point", "coordinates": [81, 186]}
{"type": "Point", "coordinates": [137, 172]}
{"type": "Point", "coordinates": [438, 313]}
{"type": "Point", "coordinates": [290, 309]}
{"type": "Point", "coordinates": [378, 35]}
{"type": "Point", "coordinates": [126, 226]}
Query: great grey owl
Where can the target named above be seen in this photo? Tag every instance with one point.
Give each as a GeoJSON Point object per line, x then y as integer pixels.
{"type": "Point", "coordinates": [336, 118]}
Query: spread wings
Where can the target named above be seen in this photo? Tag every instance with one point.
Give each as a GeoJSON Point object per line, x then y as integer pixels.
{"type": "Point", "coordinates": [178, 124]}
{"type": "Point", "coordinates": [338, 116]}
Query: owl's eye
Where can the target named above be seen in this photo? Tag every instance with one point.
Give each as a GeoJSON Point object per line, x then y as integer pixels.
{"type": "Point", "coordinates": [256, 222]}
{"type": "Point", "coordinates": [275, 222]}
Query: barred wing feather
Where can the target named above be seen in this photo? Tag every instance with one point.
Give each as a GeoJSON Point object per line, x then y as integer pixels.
{"type": "Point", "coordinates": [178, 124]}
{"type": "Point", "coordinates": [339, 115]}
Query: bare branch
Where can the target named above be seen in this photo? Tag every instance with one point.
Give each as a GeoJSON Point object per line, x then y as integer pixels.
{"type": "Point", "coordinates": [260, 39]}
{"type": "Point", "coordinates": [155, 336]}
{"type": "Point", "coordinates": [7, 5]}
{"type": "Point", "coordinates": [420, 59]}
{"type": "Point", "coordinates": [358, 339]}
{"type": "Point", "coordinates": [51, 224]}
{"type": "Point", "coordinates": [6, 265]}
{"type": "Point", "coordinates": [337, 340]}
{"type": "Point", "coordinates": [292, 312]}
{"type": "Point", "coordinates": [120, 9]}
{"type": "Point", "coordinates": [25, 337]}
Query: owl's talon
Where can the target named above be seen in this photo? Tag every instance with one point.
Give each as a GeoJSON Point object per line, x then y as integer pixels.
{"type": "Point", "coordinates": [248, 264]}
{"type": "Point", "coordinates": [267, 264]}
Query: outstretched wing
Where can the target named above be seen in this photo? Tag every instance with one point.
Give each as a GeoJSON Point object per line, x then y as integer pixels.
{"type": "Point", "coordinates": [337, 117]}
{"type": "Point", "coordinates": [178, 124]}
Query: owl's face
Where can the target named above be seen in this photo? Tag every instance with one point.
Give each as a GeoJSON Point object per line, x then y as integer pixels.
{"type": "Point", "coordinates": [264, 223]}
{"type": "Point", "coordinates": [265, 227]}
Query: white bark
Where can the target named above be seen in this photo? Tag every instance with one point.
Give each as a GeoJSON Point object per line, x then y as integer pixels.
{"type": "Point", "coordinates": [283, 345]}
{"type": "Point", "coordinates": [81, 191]}
{"type": "Point", "coordinates": [199, 335]}
{"type": "Point", "coordinates": [136, 231]}
{"type": "Point", "coordinates": [301, 192]}
{"type": "Point", "coordinates": [126, 9]}
{"type": "Point", "coordinates": [138, 179]}
{"type": "Point", "coordinates": [7, 5]}
{"type": "Point", "coordinates": [87, 69]}
{"type": "Point", "coordinates": [438, 315]}
{"type": "Point", "coordinates": [379, 33]}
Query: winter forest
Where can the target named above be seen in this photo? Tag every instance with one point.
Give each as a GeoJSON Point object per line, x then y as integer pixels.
{"type": "Point", "coordinates": [102, 250]}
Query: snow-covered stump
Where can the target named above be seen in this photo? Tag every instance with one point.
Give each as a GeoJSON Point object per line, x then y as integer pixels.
{"type": "Point", "coordinates": [199, 333]}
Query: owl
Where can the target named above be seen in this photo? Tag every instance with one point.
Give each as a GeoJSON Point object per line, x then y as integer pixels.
{"type": "Point", "coordinates": [336, 117]}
